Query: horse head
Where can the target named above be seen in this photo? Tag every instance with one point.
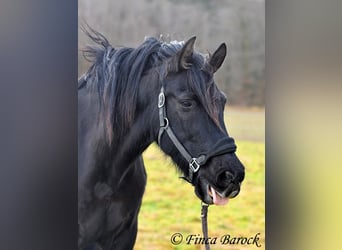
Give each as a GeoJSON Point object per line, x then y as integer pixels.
{"type": "Point", "coordinates": [191, 125]}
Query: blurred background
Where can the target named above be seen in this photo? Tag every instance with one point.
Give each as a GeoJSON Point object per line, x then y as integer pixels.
{"type": "Point", "coordinates": [169, 204]}
{"type": "Point", "coordinates": [240, 24]}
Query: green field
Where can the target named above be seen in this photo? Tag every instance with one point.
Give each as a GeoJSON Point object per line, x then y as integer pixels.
{"type": "Point", "coordinates": [170, 205]}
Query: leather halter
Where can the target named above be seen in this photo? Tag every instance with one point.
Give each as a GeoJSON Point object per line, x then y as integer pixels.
{"type": "Point", "coordinates": [223, 146]}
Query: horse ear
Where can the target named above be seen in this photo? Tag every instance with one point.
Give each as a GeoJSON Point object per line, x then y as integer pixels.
{"type": "Point", "coordinates": [216, 59]}
{"type": "Point", "coordinates": [182, 60]}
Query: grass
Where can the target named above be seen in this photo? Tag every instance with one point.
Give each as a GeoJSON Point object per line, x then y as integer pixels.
{"type": "Point", "coordinates": [170, 205]}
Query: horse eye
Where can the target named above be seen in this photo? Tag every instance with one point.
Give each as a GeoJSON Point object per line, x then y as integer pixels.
{"type": "Point", "coordinates": [187, 103]}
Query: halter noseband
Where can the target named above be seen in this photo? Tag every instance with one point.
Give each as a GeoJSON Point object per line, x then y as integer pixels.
{"type": "Point", "coordinates": [223, 146]}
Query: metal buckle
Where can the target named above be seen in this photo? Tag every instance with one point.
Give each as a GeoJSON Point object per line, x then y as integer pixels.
{"type": "Point", "coordinates": [192, 163]}
{"type": "Point", "coordinates": [161, 100]}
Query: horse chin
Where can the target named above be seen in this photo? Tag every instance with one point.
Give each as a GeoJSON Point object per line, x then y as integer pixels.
{"type": "Point", "coordinates": [202, 190]}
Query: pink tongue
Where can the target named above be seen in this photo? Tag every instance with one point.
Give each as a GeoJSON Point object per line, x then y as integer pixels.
{"type": "Point", "coordinates": [217, 199]}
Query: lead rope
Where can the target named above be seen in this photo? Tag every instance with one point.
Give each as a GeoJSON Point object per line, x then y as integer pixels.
{"type": "Point", "coordinates": [204, 217]}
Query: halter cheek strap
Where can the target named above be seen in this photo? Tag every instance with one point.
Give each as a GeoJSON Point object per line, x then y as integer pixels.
{"type": "Point", "coordinates": [223, 146]}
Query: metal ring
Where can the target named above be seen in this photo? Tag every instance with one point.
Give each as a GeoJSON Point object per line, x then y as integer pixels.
{"type": "Point", "coordinates": [204, 204]}
{"type": "Point", "coordinates": [166, 122]}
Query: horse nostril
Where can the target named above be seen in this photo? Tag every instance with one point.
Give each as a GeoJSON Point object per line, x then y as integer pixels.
{"type": "Point", "coordinates": [229, 175]}
{"type": "Point", "coordinates": [225, 177]}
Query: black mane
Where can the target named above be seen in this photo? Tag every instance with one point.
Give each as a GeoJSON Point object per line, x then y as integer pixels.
{"type": "Point", "coordinates": [116, 72]}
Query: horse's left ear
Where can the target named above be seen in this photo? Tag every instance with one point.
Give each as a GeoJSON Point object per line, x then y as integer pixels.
{"type": "Point", "coordinates": [216, 59]}
{"type": "Point", "coordinates": [185, 55]}
{"type": "Point", "coordinates": [182, 60]}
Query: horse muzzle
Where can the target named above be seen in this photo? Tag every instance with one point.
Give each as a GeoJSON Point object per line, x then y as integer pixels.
{"type": "Point", "coordinates": [222, 188]}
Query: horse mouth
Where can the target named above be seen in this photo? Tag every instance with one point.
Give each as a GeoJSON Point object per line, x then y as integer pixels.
{"type": "Point", "coordinates": [220, 198]}
{"type": "Point", "coordinates": [217, 198]}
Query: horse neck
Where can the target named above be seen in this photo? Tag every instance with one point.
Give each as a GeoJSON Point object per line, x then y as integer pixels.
{"type": "Point", "coordinates": [132, 144]}
{"type": "Point", "coordinates": [142, 132]}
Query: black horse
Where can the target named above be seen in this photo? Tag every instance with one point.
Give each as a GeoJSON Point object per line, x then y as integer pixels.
{"type": "Point", "coordinates": [129, 98]}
